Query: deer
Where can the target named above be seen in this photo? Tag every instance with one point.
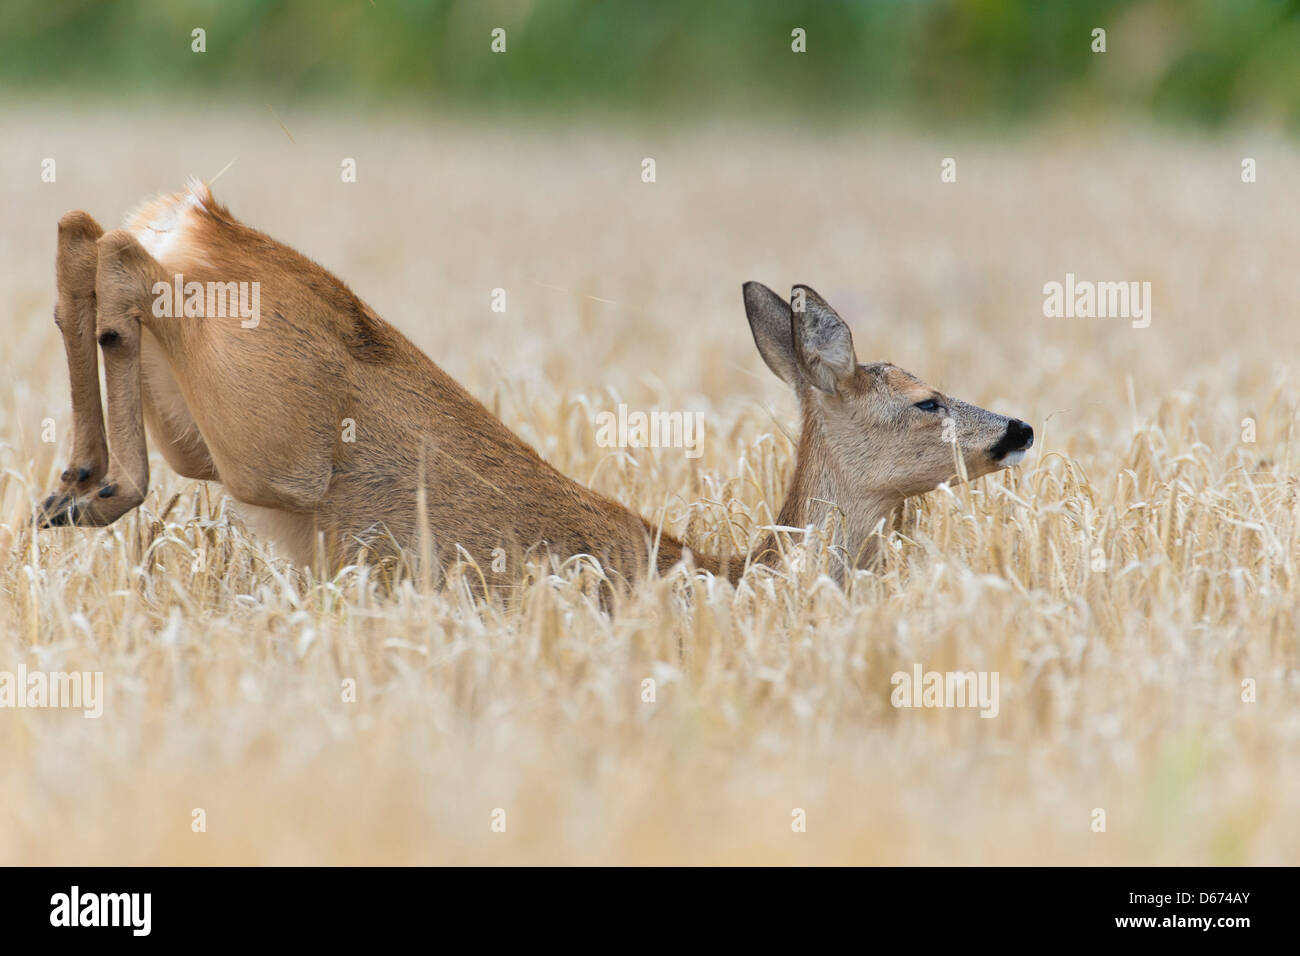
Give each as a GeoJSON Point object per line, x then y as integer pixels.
{"type": "Point", "coordinates": [257, 403]}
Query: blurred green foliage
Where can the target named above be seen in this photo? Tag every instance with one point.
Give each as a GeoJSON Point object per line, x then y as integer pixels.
{"type": "Point", "coordinates": [1205, 60]}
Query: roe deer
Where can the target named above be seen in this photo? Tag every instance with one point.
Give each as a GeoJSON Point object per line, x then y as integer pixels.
{"type": "Point", "coordinates": [259, 406]}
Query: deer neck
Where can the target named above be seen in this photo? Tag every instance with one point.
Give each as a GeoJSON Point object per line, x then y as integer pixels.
{"type": "Point", "coordinates": [823, 495]}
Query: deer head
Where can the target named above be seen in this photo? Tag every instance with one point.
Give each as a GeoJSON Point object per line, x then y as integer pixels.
{"type": "Point", "coordinates": [873, 434]}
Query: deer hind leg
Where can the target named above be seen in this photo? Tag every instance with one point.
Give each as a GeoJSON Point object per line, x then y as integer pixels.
{"type": "Point", "coordinates": [74, 267]}
{"type": "Point", "coordinates": [124, 277]}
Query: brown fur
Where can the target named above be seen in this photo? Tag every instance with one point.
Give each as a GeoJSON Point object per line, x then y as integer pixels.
{"type": "Point", "coordinates": [262, 411]}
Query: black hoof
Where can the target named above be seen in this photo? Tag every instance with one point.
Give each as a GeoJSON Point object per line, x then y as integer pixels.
{"type": "Point", "coordinates": [81, 473]}
{"type": "Point", "coordinates": [58, 511]}
{"type": "Point", "coordinates": [61, 518]}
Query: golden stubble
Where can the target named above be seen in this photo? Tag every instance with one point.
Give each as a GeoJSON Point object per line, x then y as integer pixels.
{"type": "Point", "coordinates": [1124, 582]}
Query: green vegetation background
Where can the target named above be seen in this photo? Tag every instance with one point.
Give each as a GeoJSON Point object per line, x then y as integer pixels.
{"type": "Point", "coordinates": [1206, 61]}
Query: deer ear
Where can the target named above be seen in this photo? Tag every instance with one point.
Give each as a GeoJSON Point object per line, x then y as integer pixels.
{"type": "Point", "coordinates": [823, 344]}
{"type": "Point", "coordinates": [769, 320]}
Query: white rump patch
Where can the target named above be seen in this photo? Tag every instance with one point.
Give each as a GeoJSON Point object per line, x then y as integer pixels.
{"type": "Point", "coordinates": [160, 224]}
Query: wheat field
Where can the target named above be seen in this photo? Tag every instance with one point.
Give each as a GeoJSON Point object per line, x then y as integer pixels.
{"type": "Point", "coordinates": [1127, 582]}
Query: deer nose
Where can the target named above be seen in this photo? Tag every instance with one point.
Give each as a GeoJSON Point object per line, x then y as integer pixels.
{"type": "Point", "coordinates": [1019, 435]}
{"type": "Point", "coordinates": [1015, 441]}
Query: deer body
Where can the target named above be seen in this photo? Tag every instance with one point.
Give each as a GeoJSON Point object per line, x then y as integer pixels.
{"type": "Point", "coordinates": [263, 404]}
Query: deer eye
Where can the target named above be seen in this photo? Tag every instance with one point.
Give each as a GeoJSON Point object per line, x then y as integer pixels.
{"type": "Point", "coordinates": [929, 405]}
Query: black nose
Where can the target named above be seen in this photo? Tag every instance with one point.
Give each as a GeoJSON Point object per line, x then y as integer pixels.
{"type": "Point", "coordinates": [1018, 437]}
